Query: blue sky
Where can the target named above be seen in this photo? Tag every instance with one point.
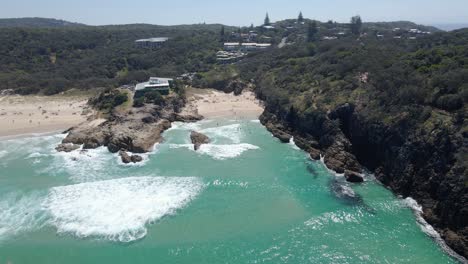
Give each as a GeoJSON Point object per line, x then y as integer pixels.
{"type": "Point", "coordinates": [235, 12]}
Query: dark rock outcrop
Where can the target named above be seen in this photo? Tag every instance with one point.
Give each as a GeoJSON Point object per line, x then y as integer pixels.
{"type": "Point", "coordinates": [198, 139]}
{"type": "Point", "coordinates": [426, 161]}
{"type": "Point", "coordinates": [129, 158]}
{"type": "Point", "coordinates": [352, 176]}
{"type": "Point", "coordinates": [67, 147]}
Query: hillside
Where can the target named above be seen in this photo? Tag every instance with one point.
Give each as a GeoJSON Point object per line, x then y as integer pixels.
{"type": "Point", "coordinates": [52, 60]}
{"type": "Point", "coordinates": [397, 108]}
{"type": "Point", "coordinates": [36, 22]}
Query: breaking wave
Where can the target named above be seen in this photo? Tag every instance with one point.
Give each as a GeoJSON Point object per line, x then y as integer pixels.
{"type": "Point", "coordinates": [219, 152]}
{"type": "Point", "coordinates": [119, 209]}
{"type": "Point", "coordinates": [231, 133]}
{"type": "Point", "coordinates": [429, 230]}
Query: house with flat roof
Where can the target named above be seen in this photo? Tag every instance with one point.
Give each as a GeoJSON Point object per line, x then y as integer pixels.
{"type": "Point", "coordinates": [159, 84]}
{"type": "Point", "coordinates": [231, 46]}
{"type": "Point", "coordinates": [150, 42]}
{"type": "Point", "coordinates": [246, 46]}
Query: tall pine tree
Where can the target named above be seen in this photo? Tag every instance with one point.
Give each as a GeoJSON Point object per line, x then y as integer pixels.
{"type": "Point", "coordinates": [267, 20]}
{"type": "Point", "coordinates": [222, 34]}
{"type": "Point", "coordinates": [356, 25]}
{"type": "Point", "coordinates": [300, 18]}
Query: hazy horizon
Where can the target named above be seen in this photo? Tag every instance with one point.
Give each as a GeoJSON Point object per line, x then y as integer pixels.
{"type": "Point", "coordinates": [238, 13]}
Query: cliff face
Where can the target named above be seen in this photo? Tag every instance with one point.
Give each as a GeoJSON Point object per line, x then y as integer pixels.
{"type": "Point", "coordinates": [424, 161]}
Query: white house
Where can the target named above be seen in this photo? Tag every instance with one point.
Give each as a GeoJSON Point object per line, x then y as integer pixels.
{"type": "Point", "coordinates": [155, 83]}
{"type": "Point", "coordinates": [231, 45]}
{"type": "Point", "coordinates": [151, 42]}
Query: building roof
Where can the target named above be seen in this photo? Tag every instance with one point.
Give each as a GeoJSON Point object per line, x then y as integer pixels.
{"type": "Point", "coordinates": [263, 44]}
{"type": "Point", "coordinates": [231, 44]}
{"type": "Point", "coordinates": [160, 39]}
{"type": "Point", "coordinates": [154, 82]}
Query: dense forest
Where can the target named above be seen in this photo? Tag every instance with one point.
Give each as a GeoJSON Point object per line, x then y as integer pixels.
{"type": "Point", "coordinates": [51, 60]}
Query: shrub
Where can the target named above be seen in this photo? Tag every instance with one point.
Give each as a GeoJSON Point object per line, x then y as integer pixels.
{"type": "Point", "coordinates": [449, 102]}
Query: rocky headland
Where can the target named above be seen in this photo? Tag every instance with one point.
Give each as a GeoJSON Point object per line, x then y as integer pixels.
{"type": "Point", "coordinates": [424, 161]}
{"type": "Point", "coordinates": [135, 130]}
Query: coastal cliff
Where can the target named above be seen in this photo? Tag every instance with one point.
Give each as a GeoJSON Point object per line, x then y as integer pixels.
{"type": "Point", "coordinates": [425, 163]}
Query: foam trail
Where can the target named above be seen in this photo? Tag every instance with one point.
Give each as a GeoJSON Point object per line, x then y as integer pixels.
{"type": "Point", "coordinates": [429, 230]}
{"type": "Point", "coordinates": [20, 213]}
{"type": "Point", "coordinates": [118, 209]}
{"type": "Point", "coordinates": [219, 152]}
{"type": "Point", "coordinates": [229, 132]}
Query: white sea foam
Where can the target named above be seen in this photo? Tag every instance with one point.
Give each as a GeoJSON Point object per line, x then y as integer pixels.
{"type": "Point", "coordinates": [118, 209]}
{"type": "Point", "coordinates": [20, 213]}
{"type": "Point", "coordinates": [82, 166]}
{"type": "Point", "coordinates": [3, 153]}
{"type": "Point", "coordinates": [184, 126]}
{"type": "Point", "coordinates": [255, 121]}
{"type": "Point", "coordinates": [219, 152]}
{"type": "Point", "coordinates": [429, 230]}
{"type": "Point", "coordinates": [292, 143]}
{"type": "Point", "coordinates": [230, 132]}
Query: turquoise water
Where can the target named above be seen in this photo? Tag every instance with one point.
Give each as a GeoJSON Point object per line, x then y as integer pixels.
{"type": "Point", "coordinates": [245, 198]}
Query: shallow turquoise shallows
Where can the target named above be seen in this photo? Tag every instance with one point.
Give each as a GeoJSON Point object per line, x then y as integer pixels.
{"type": "Point", "coordinates": [244, 198]}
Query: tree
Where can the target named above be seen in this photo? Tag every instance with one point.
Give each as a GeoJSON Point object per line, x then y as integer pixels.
{"type": "Point", "coordinates": [222, 33]}
{"type": "Point", "coordinates": [300, 18]}
{"type": "Point", "coordinates": [267, 20]}
{"type": "Point", "coordinates": [311, 31]}
{"type": "Point", "coordinates": [356, 25]}
{"type": "Point", "coordinates": [251, 26]}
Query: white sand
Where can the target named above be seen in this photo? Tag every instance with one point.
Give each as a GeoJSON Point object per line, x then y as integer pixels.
{"type": "Point", "coordinates": [22, 115]}
{"type": "Point", "coordinates": [215, 104]}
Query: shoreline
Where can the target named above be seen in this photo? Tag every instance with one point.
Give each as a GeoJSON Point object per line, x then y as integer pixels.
{"type": "Point", "coordinates": [24, 116]}
{"type": "Point", "coordinates": [214, 104]}
{"type": "Point", "coordinates": [279, 131]}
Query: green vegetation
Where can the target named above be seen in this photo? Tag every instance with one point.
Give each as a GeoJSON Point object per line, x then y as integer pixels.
{"type": "Point", "coordinates": [51, 60]}
{"type": "Point", "coordinates": [109, 99]}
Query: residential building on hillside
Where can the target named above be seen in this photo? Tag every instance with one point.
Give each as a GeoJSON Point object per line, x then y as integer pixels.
{"type": "Point", "coordinates": [161, 85]}
{"type": "Point", "coordinates": [247, 46]}
{"type": "Point", "coordinates": [150, 42]}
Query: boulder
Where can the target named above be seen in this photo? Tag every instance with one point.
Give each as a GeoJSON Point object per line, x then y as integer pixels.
{"type": "Point", "coordinates": [198, 139]}
{"type": "Point", "coordinates": [353, 176]}
{"type": "Point", "coordinates": [149, 119]}
{"type": "Point", "coordinates": [136, 158]}
{"type": "Point", "coordinates": [125, 157]}
{"type": "Point", "coordinates": [314, 153]}
{"type": "Point", "coordinates": [67, 147]}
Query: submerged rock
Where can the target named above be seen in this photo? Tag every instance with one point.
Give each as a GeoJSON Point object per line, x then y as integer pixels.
{"type": "Point", "coordinates": [198, 139]}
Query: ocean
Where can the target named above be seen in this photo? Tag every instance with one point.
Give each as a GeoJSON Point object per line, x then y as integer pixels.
{"type": "Point", "coordinates": [243, 198]}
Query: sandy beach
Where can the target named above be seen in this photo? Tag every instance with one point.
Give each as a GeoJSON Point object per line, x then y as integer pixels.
{"type": "Point", "coordinates": [211, 103]}
{"type": "Point", "coordinates": [26, 115]}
